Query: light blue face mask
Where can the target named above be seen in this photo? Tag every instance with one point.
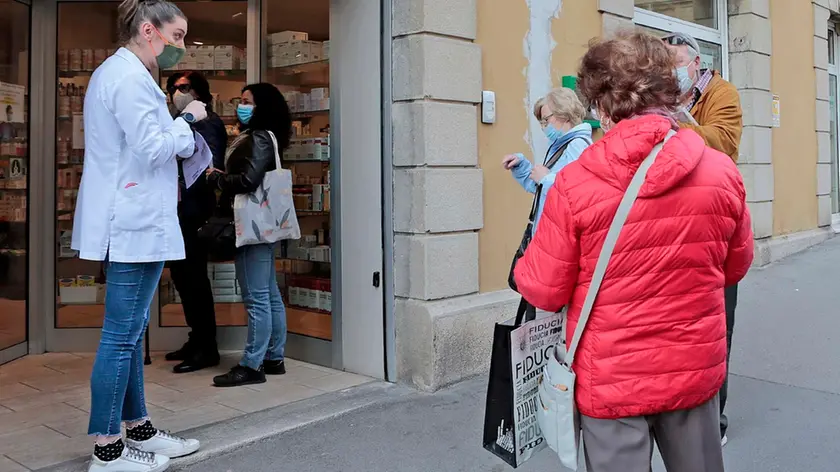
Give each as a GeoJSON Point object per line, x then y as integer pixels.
{"type": "Point", "coordinates": [244, 113]}
{"type": "Point", "coordinates": [552, 133]}
{"type": "Point", "coordinates": [686, 82]}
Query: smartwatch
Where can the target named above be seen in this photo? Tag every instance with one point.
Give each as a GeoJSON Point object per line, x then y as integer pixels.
{"type": "Point", "coordinates": [188, 117]}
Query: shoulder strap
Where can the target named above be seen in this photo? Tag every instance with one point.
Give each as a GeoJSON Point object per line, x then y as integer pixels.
{"type": "Point", "coordinates": [609, 245]}
{"type": "Point", "coordinates": [276, 150]}
{"type": "Point", "coordinates": [549, 163]}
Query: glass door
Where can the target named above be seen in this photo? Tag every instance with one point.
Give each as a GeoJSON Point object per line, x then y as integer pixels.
{"type": "Point", "coordinates": [14, 182]}
{"type": "Point", "coordinates": [833, 124]}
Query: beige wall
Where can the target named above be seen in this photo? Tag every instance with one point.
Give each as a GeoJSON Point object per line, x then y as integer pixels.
{"type": "Point", "coordinates": [502, 26]}
{"type": "Point", "coordinates": [794, 142]}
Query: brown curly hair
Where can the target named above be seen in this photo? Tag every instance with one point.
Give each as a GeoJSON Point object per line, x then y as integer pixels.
{"type": "Point", "coordinates": [625, 75]}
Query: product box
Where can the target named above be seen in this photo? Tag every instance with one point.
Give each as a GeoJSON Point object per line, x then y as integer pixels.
{"type": "Point", "coordinates": [74, 295]}
{"type": "Point", "coordinates": [189, 61]}
{"type": "Point", "coordinates": [286, 36]}
{"type": "Point", "coordinates": [312, 298]}
{"type": "Point", "coordinates": [205, 57]}
{"type": "Point", "coordinates": [325, 50]}
{"type": "Point", "coordinates": [228, 58]}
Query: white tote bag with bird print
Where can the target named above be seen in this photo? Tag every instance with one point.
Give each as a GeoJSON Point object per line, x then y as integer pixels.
{"type": "Point", "coordinates": [267, 214]}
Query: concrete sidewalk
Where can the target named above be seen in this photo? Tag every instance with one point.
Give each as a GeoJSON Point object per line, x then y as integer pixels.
{"type": "Point", "coordinates": [784, 406]}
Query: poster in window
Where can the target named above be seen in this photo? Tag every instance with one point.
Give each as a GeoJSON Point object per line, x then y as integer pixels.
{"type": "Point", "coordinates": [12, 98]}
{"type": "Point", "coordinates": [78, 131]}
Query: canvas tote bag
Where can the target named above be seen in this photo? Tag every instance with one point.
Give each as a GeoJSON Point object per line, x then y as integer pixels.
{"type": "Point", "coordinates": [267, 214]}
{"type": "Point", "coordinates": [557, 413]}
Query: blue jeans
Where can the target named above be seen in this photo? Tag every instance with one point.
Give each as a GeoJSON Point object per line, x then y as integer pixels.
{"type": "Point", "coordinates": [266, 312]}
{"type": "Point", "coordinates": [116, 384]}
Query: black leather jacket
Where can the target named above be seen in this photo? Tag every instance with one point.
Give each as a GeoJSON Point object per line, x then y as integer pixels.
{"type": "Point", "coordinates": [251, 156]}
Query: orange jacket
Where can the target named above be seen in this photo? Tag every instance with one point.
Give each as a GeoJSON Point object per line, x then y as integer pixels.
{"type": "Point", "coordinates": [719, 113]}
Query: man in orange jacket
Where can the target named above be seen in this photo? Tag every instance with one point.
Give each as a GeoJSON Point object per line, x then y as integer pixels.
{"type": "Point", "coordinates": [712, 108]}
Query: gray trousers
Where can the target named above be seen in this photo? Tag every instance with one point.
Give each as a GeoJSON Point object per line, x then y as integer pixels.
{"type": "Point", "coordinates": [689, 441]}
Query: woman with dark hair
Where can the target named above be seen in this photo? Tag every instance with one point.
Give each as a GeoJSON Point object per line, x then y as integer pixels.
{"type": "Point", "coordinates": [652, 356]}
{"type": "Point", "coordinates": [195, 207]}
{"type": "Point", "coordinates": [126, 217]}
{"type": "Point", "coordinates": [262, 112]}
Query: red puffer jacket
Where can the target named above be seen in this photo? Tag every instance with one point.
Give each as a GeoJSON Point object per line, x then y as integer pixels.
{"type": "Point", "coordinates": [656, 339]}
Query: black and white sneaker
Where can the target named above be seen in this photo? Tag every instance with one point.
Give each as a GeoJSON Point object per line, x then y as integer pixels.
{"type": "Point", "coordinates": [131, 460]}
{"type": "Point", "coordinates": [163, 443]}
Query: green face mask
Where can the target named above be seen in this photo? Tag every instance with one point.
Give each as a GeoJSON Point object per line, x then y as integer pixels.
{"type": "Point", "coordinates": [170, 55]}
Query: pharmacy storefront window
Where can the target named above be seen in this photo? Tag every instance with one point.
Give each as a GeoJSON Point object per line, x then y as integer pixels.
{"type": "Point", "coordinates": [81, 284]}
{"type": "Point", "coordinates": [705, 20]}
{"type": "Point", "coordinates": [297, 60]}
{"type": "Point", "coordinates": [217, 50]}
{"type": "Point", "coordinates": [14, 183]}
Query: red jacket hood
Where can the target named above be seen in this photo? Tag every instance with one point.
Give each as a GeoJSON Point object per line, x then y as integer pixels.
{"type": "Point", "coordinates": [616, 156]}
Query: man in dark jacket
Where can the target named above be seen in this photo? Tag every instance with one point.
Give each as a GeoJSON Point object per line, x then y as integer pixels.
{"type": "Point", "coordinates": [196, 205]}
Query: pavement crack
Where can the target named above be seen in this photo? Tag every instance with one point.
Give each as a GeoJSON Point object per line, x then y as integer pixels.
{"type": "Point", "coordinates": [783, 384]}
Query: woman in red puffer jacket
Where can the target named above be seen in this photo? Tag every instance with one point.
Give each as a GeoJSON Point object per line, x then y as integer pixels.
{"type": "Point", "coordinates": [653, 356]}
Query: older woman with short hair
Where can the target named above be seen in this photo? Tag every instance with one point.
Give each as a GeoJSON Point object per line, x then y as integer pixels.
{"type": "Point", "coordinates": [561, 115]}
{"type": "Point", "coordinates": [652, 357]}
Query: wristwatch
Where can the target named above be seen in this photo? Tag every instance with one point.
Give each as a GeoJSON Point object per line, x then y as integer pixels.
{"type": "Point", "coordinates": [188, 117]}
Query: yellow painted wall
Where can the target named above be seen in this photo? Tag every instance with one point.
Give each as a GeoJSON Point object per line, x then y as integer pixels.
{"type": "Point", "coordinates": [795, 142]}
{"type": "Point", "coordinates": [502, 26]}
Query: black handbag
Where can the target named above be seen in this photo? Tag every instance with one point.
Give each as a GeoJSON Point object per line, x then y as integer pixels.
{"type": "Point", "coordinates": [529, 229]}
{"type": "Point", "coordinates": [219, 236]}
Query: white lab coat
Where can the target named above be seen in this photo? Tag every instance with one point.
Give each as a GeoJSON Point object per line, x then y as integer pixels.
{"type": "Point", "coordinates": [127, 207]}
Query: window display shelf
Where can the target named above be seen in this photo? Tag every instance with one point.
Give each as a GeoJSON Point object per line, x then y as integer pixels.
{"type": "Point", "coordinates": [71, 74]}
{"type": "Point", "coordinates": [322, 65]}
{"type": "Point", "coordinates": [215, 74]}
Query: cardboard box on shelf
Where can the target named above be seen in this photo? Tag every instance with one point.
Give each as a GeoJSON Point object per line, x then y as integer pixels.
{"type": "Point", "coordinates": [205, 57]}
{"type": "Point", "coordinates": [286, 36]}
{"type": "Point", "coordinates": [228, 58]}
{"type": "Point", "coordinates": [189, 61]}
{"type": "Point", "coordinates": [75, 295]}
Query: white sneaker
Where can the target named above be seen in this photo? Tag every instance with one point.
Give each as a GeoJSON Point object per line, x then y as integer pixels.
{"type": "Point", "coordinates": [166, 444]}
{"type": "Point", "coordinates": [131, 460]}
{"type": "Point", "coordinates": [724, 440]}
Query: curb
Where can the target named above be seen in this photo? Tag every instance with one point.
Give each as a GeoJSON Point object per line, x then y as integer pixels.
{"type": "Point", "coordinates": [229, 435]}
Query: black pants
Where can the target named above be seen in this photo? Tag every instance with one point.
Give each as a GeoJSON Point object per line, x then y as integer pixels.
{"type": "Point", "coordinates": [192, 283]}
{"type": "Point", "coordinates": [730, 295]}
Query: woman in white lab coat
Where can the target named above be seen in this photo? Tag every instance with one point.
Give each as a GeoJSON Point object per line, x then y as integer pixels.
{"type": "Point", "coordinates": [126, 216]}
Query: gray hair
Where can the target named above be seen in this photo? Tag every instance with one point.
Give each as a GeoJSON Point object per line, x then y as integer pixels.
{"type": "Point", "coordinates": [682, 39]}
{"type": "Point", "coordinates": [133, 13]}
{"type": "Point", "coordinates": [563, 103]}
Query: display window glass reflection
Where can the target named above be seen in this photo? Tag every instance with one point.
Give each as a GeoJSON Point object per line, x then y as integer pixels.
{"type": "Point", "coordinates": [701, 12]}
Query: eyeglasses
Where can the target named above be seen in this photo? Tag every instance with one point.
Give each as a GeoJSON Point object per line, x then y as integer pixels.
{"type": "Point", "coordinates": [544, 120]}
{"type": "Point", "coordinates": [183, 88]}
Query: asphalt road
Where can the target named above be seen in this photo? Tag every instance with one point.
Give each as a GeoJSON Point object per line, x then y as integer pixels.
{"type": "Point", "coordinates": [784, 397]}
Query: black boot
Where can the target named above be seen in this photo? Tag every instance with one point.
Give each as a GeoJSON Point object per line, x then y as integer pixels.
{"type": "Point", "coordinates": [238, 376]}
{"type": "Point", "coordinates": [274, 367]}
{"type": "Point", "coordinates": [198, 360]}
{"type": "Point", "coordinates": [181, 354]}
